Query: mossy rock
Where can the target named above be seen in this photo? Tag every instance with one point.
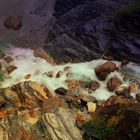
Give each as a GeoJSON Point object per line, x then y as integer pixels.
{"type": "Point", "coordinates": [128, 18]}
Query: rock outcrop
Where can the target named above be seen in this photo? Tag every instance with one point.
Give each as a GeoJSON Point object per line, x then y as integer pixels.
{"type": "Point", "coordinates": [60, 125]}
{"type": "Point", "coordinates": [86, 30]}
{"type": "Point", "coordinates": [13, 22]}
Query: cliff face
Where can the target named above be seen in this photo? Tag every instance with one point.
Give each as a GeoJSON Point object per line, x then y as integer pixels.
{"type": "Point", "coordinates": [76, 30]}
{"type": "Point", "coordinates": [84, 30]}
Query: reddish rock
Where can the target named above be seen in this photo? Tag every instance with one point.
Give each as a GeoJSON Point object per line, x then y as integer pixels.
{"type": "Point", "coordinates": [103, 70]}
{"type": "Point", "coordinates": [113, 83]}
{"type": "Point", "coordinates": [93, 85]}
{"type": "Point", "coordinates": [8, 59]}
{"type": "Point", "coordinates": [11, 69]}
{"type": "Point", "coordinates": [13, 22]}
{"type": "Point", "coordinates": [124, 62]}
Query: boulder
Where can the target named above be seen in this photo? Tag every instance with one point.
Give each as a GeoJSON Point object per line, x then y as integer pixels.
{"type": "Point", "coordinates": [94, 85]}
{"type": "Point", "coordinates": [8, 59]}
{"type": "Point", "coordinates": [59, 74]}
{"type": "Point", "coordinates": [123, 91]}
{"type": "Point", "coordinates": [124, 62]}
{"type": "Point", "coordinates": [2, 101]}
{"type": "Point", "coordinates": [13, 22]}
{"type": "Point", "coordinates": [91, 107]}
{"type": "Point", "coordinates": [49, 74]}
{"type": "Point", "coordinates": [113, 83]}
{"type": "Point", "coordinates": [11, 68]}
{"type": "Point", "coordinates": [61, 91]}
{"type": "Point", "coordinates": [103, 70]}
{"type": "Point", "coordinates": [53, 104]}
{"type": "Point", "coordinates": [117, 100]}
{"type": "Point", "coordinates": [27, 76]}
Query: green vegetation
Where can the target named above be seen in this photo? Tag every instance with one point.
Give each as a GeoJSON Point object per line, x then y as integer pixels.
{"type": "Point", "coordinates": [1, 76]}
{"type": "Point", "coordinates": [125, 11]}
{"type": "Point", "coordinates": [99, 128]}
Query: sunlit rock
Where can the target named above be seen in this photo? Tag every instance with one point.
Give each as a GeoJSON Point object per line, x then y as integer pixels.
{"type": "Point", "coordinates": [60, 125]}
{"type": "Point", "coordinates": [91, 107]}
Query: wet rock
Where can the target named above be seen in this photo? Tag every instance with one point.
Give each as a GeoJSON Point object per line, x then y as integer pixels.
{"type": "Point", "coordinates": [73, 84]}
{"type": "Point", "coordinates": [50, 74]}
{"type": "Point", "coordinates": [117, 100]}
{"type": "Point", "coordinates": [124, 62]}
{"type": "Point", "coordinates": [113, 83]}
{"type": "Point", "coordinates": [63, 126]}
{"type": "Point", "coordinates": [39, 52]}
{"type": "Point", "coordinates": [116, 116]}
{"type": "Point", "coordinates": [53, 104]}
{"type": "Point", "coordinates": [78, 101]}
{"type": "Point", "coordinates": [59, 74]}
{"type": "Point", "coordinates": [2, 54]}
{"type": "Point", "coordinates": [13, 22]}
{"type": "Point", "coordinates": [2, 101]}
{"type": "Point", "coordinates": [27, 76]}
{"type": "Point", "coordinates": [138, 97]}
{"type": "Point", "coordinates": [109, 58]}
{"type": "Point", "coordinates": [10, 69]}
{"type": "Point", "coordinates": [94, 85]}
{"type": "Point", "coordinates": [67, 68]}
{"type": "Point", "coordinates": [8, 59]}
{"type": "Point", "coordinates": [123, 90]}
{"type": "Point", "coordinates": [103, 70]}
{"type": "Point", "coordinates": [61, 91]}
{"type": "Point", "coordinates": [88, 98]}
{"type": "Point", "coordinates": [125, 127]}
{"type": "Point", "coordinates": [91, 107]}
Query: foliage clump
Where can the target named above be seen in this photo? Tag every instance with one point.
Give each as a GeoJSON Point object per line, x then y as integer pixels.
{"type": "Point", "coordinates": [99, 128]}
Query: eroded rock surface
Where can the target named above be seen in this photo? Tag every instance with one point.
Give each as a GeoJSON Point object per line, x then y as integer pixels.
{"type": "Point", "coordinates": [86, 30]}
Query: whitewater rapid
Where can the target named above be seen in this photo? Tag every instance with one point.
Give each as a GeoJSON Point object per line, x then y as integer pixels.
{"type": "Point", "coordinates": [37, 67]}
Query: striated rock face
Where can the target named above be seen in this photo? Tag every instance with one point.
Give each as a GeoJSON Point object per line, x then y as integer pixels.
{"type": "Point", "coordinates": [29, 111]}
{"type": "Point", "coordinates": [84, 30]}
{"type": "Point", "coordinates": [20, 109]}
{"type": "Point", "coordinates": [60, 125]}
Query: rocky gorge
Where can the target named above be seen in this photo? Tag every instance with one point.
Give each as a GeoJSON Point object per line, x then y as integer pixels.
{"type": "Point", "coordinates": [69, 70]}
